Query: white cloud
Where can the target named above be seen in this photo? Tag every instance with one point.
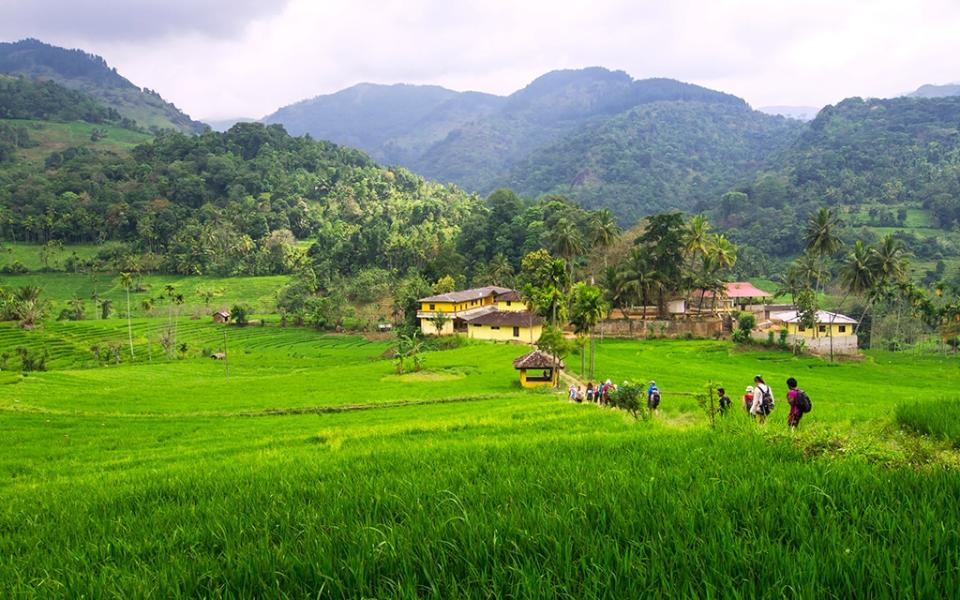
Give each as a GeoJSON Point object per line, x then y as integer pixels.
{"type": "Point", "coordinates": [768, 52]}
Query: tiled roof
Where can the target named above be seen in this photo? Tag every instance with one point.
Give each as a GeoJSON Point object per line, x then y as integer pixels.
{"type": "Point", "coordinates": [738, 289]}
{"type": "Point", "coordinates": [536, 360]}
{"type": "Point", "coordinates": [511, 296]}
{"type": "Point", "coordinates": [505, 318]}
{"type": "Point", "coordinates": [467, 295]}
{"type": "Point", "coordinates": [823, 317]}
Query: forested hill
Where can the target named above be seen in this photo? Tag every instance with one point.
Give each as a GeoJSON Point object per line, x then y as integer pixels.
{"type": "Point", "coordinates": [92, 75]}
{"type": "Point", "coordinates": [474, 139]}
{"type": "Point", "coordinates": [887, 157]}
{"type": "Point", "coordinates": [232, 203]}
{"type": "Point", "coordinates": [655, 157]}
{"type": "Point", "coordinates": [22, 98]}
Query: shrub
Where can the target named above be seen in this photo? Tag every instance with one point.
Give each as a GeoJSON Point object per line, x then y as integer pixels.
{"type": "Point", "coordinates": [14, 268]}
{"type": "Point", "coordinates": [630, 397]}
{"type": "Point", "coordinates": [240, 314]}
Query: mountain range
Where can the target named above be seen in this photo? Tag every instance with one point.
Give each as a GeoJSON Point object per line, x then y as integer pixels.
{"type": "Point", "coordinates": [90, 74]}
{"type": "Point", "coordinates": [593, 134]}
{"type": "Point", "coordinates": [600, 137]}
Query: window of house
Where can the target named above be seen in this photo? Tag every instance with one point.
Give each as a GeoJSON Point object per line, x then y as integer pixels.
{"type": "Point", "coordinates": [516, 331]}
{"type": "Point", "coordinates": [508, 303]}
{"type": "Point", "coordinates": [494, 327]}
{"type": "Point", "coordinates": [802, 328]}
{"type": "Point", "coordinates": [433, 307]}
{"type": "Point", "coordinates": [822, 328]}
{"type": "Point", "coordinates": [843, 329]}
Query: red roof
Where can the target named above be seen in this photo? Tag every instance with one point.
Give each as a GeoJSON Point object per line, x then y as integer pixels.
{"type": "Point", "coordinates": [739, 289]}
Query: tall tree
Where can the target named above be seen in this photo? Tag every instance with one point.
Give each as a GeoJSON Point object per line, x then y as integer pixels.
{"type": "Point", "coordinates": [821, 237]}
{"type": "Point", "coordinates": [587, 309]}
{"type": "Point", "coordinates": [567, 241]}
{"type": "Point", "coordinates": [662, 240]}
{"type": "Point", "coordinates": [604, 231]}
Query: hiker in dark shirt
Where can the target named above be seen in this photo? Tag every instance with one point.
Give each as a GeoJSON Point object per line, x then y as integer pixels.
{"type": "Point", "coordinates": [724, 400]}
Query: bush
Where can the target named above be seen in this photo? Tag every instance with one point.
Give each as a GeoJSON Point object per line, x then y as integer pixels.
{"type": "Point", "coordinates": [14, 268]}
{"type": "Point", "coordinates": [745, 323]}
{"type": "Point", "coordinates": [240, 314]}
{"type": "Point", "coordinates": [630, 397]}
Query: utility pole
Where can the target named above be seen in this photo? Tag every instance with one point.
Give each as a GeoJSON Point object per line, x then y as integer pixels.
{"type": "Point", "coordinates": [226, 356]}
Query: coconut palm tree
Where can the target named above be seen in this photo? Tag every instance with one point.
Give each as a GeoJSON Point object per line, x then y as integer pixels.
{"type": "Point", "coordinates": [28, 306]}
{"type": "Point", "coordinates": [499, 271]}
{"type": "Point", "coordinates": [588, 308]}
{"type": "Point", "coordinates": [567, 241]}
{"type": "Point", "coordinates": [820, 236]}
{"type": "Point", "coordinates": [696, 238]}
{"type": "Point", "coordinates": [77, 308]}
{"type": "Point", "coordinates": [126, 280]}
{"type": "Point", "coordinates": [887, 264]}
{"type": "Point", "coordinates": [604, 231]}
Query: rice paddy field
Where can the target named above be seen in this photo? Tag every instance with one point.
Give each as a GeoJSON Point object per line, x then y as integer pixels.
{"type": "Point", "coordinates": [305, 466]}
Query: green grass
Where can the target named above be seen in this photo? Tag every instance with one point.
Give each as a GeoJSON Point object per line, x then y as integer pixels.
{"type": "Point", "coordinates": [940, 418]}
{"type": "Point", "coordinates": [52, 137]}
{"type": "Point", "coordinates": [29, 255]}
{"type": "Point", "coordinates": [59, 288]}
{"type": "Point", "coordinates": [315, 470]}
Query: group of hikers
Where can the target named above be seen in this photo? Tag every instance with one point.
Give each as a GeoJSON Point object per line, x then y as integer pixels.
{"type": "Point", "coordinates": [758, 398]}
{"type": "Point", "coordinates": [600, 393]}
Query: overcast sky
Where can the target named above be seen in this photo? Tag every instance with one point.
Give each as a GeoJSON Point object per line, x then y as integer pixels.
{"type": "Point", "coordinates": [227, 58]}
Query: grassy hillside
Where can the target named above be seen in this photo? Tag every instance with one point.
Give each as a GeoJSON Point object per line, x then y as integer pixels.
{"type": "Point", "coordinates": [90, 74]}
{"type": "Point", "coordinates": [47, 137]}
{"type": "Point", "coordinates": [454, 483]}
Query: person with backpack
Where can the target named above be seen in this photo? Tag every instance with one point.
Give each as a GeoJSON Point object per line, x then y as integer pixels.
{"type": "Point", "coordinates": [590, 391]}
{"type": "Point", "coordinates": [724, 401]}
{"type": "Point", "coordinates": [653, 396]}
{"type": "Point", "coordinates": [799, 403]}
{"type": "Point", "coordinates": [763, 401]}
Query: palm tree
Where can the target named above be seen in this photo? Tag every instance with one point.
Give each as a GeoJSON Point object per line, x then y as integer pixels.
{"type": "Point", "coordinates": [589, 308]}
{"type": "Point", "coordinates": [604, 231]}
{"type": "Point", "coordinates": [77, 307]}
{"type": "Point", "coordinates": [499, 270]}
{"type": "Point", "coordinates": [28, 306]}
{"type": "Point", "coordinates": [820, 236]}
{"type": "Point", "coordinates": [126, 280]}
{"type": "Point", "coordinates": [887, 264]}
{"type": "Point", "coordinates": [696, 238]}
{"type": "Point", "coordinates": [567, 241]}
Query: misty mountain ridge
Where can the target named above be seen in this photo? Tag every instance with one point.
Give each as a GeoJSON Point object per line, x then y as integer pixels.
{"type": "Point", "coordinates": [801, 113]}
{"type": "Point", "coordinates": [473, 139]}
{"type": "Point", "coordinates": [90, 74]}
{"type": "Point", "coordinates": [930, 90]}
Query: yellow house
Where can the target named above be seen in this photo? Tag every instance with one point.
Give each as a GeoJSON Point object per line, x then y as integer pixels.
{"type": "Point", "coordinates": [547, 367]}
{"type": "Point", "coordinates": [486, 313]}
{"type": "Point", "coordinates": [840, 325]}
{"type": "Point", "coordinates": [505, 326]}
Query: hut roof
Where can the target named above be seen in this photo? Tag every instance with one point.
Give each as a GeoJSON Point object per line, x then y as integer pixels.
{"type": "Point", "coordinates": [222, 313]}
{"type": "Point", "coordinates": [536, 360]}
{"type": "Point", "coordinates": [505, 319]}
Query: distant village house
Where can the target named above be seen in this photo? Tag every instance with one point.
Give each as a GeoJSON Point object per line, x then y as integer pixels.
{"type": "Point", "coordinates": [485, 313]}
